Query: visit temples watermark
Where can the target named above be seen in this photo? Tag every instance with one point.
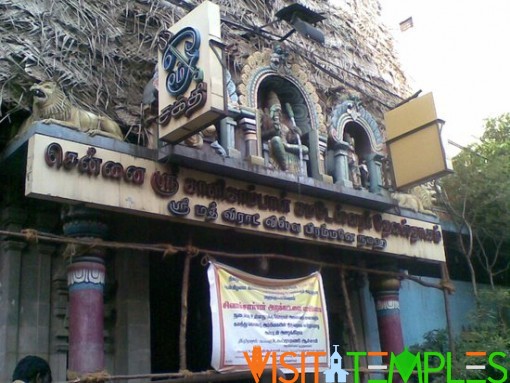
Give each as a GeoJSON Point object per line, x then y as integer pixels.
{"type": "Point", "coordinates": [418, 367]}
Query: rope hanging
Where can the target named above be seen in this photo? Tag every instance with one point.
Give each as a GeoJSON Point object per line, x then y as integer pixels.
{"type": "Point", "coordinates": [169, 249]}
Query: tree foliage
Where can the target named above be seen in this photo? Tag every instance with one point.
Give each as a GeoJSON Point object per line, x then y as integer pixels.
{"type": "Point", "coordinates": [479, 192]}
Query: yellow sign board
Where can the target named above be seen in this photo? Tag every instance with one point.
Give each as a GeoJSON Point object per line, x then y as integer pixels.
{"type": "Point", "coordinates": [414, 142]}
{"type": "Point", "coordinates": [191, 79]}
{"type": "Point", "coordinates": [410, 116]}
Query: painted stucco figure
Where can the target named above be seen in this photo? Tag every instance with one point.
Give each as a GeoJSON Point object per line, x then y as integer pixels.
{"type": "Point", "coordinates": [364, 174]}
{"type": "Point", "coordinates": [286, 152]}
{"type": "Point", "coordinates": [51, 106]}
{"type": "Point", "coordinates": [354, 170]}
{"type": "Point", "coordinates": [211, 135]}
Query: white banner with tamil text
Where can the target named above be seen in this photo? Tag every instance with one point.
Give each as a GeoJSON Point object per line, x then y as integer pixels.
{"type": "Point", "coordinates": [279, 315]}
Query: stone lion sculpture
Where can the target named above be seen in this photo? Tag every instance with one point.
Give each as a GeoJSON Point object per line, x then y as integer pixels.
{"type": "Point", "coordinates": [51, 106]}
{"type": "Point", "coordinates": [418, 200]}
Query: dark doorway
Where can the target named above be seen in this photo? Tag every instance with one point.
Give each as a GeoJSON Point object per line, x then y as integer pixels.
{"type": "Point", "coordinates": [166, 285]}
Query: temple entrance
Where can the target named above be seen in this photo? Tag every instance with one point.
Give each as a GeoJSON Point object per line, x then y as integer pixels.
{"type": "Point", "coordinates": [166, 277]}
{"type": "Point", "coordinates": [165, 297]}
{"type": "Point", "coordinates": [165, 287]}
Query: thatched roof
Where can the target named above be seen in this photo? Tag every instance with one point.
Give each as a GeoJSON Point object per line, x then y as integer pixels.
{"type": "Point", "coordinates": [103, 52]}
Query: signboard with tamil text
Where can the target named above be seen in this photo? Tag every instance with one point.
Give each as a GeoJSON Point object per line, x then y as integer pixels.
{"type": "Point", "coordinates": [71, 172]}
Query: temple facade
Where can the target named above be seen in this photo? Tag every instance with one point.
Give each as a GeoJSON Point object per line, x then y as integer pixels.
{"type": "Point", "coordinates": [257, 152]}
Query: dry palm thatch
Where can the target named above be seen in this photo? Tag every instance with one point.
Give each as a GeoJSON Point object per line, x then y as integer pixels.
{"type": "Point", "coordinates": [103, 52]}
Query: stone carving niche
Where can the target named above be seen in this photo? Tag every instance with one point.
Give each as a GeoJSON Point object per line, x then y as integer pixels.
{"type": "Point", "coordinates": [356, 147]}
{"type": "Point", "coordinates": [286, 131]}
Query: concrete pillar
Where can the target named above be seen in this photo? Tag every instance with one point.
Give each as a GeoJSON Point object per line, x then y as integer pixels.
{"type": "Point", "coordinates": [10, 275]}
{"type": "Point", "coordinates": [11, 218]}
{"type": "Point", "coordinates": [35, 292]}
{"type": "Point", "coordinates": [25, 287]}
{"type": "Point", "coordinates": [59, 329]}
{"type": "Point", "coordinates": [323, 147]}
{"type": "Point", "coordinates": [85, 281]}
{"type": "Point", "coordinates": [248, 124]}
{"type": "Point", "coordinates": [132, 328]}
{"type": "Point", "coordinates": [249, 127]}
{"type": "Point", "coordinates": [385, 291]}
{"type": "Point", "coordinates": [341, 165]}
{"type": "Point", "coordinates": [374, 164]}
{"type": "Point", "coordinates": [227, 137]}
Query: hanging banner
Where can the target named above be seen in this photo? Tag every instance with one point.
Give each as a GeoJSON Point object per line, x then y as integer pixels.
{"type": "Point", "coordinates": [277, 315]}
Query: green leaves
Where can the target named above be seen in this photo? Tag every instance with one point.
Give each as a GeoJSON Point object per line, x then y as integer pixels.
{"type": "Point", "coordinates": [479, 191]}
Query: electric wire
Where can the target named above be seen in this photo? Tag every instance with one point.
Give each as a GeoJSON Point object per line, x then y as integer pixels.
{"type": "Point", "coordinates": [310, 56]}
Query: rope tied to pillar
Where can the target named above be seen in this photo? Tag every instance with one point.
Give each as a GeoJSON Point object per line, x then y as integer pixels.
{"type": "Point", "coordinates": [192, 251]}
{"type": "Point", "coordinates": [93, 377]}
{"type": "Point", "coordinates": [31, 235]}
{"type": "Point", "coordinates": [447, 285]}
{"type": "Point", "coordinates": [76, 250]}
{"type": "Point", "coordinates": [77, 242]}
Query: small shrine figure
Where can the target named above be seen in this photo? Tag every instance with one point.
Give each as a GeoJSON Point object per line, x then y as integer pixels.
{"type": "Point", "coordinates": [279, 58]}
{"type": "Point", "coordinates": [286, 152]}
{"type": "Point", "coordinates": [209, 135]}
{"type": "Point", "coordinates": [353, 160]}
{"type": "Point", "coordinates": [365, 176]}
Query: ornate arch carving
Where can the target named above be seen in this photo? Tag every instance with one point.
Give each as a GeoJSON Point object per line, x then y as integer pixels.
{"type": "Point", "coordinates": [352, 111]}
{"type": "Point", "coordinates": [356, 143]}
{"type": "Point", "coordinates": [263, 65]}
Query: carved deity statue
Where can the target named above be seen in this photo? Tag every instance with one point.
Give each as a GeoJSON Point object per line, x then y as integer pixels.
{"type": "Point", "coordinates": [364, 174]}
{"type": "Point", "coordinates": [279, 58]}
{"type": "Point", "coordinates": [353, 161]}
{"type": "Point", "coordinates": [286, 152]}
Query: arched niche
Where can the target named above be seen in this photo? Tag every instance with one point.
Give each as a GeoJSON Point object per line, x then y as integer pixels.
{"type": "Point", "coordinates": [287, 92]}
{"type": "Point", "coordinates": [270, 71]}
{"type": "Point", "coordinates": [355, 140]}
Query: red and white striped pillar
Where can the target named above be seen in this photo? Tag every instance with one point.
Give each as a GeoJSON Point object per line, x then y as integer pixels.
{"type": "Point", "coordinates": [85, 280]}
{"type": "Point", "coordinates": [385, 290]}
